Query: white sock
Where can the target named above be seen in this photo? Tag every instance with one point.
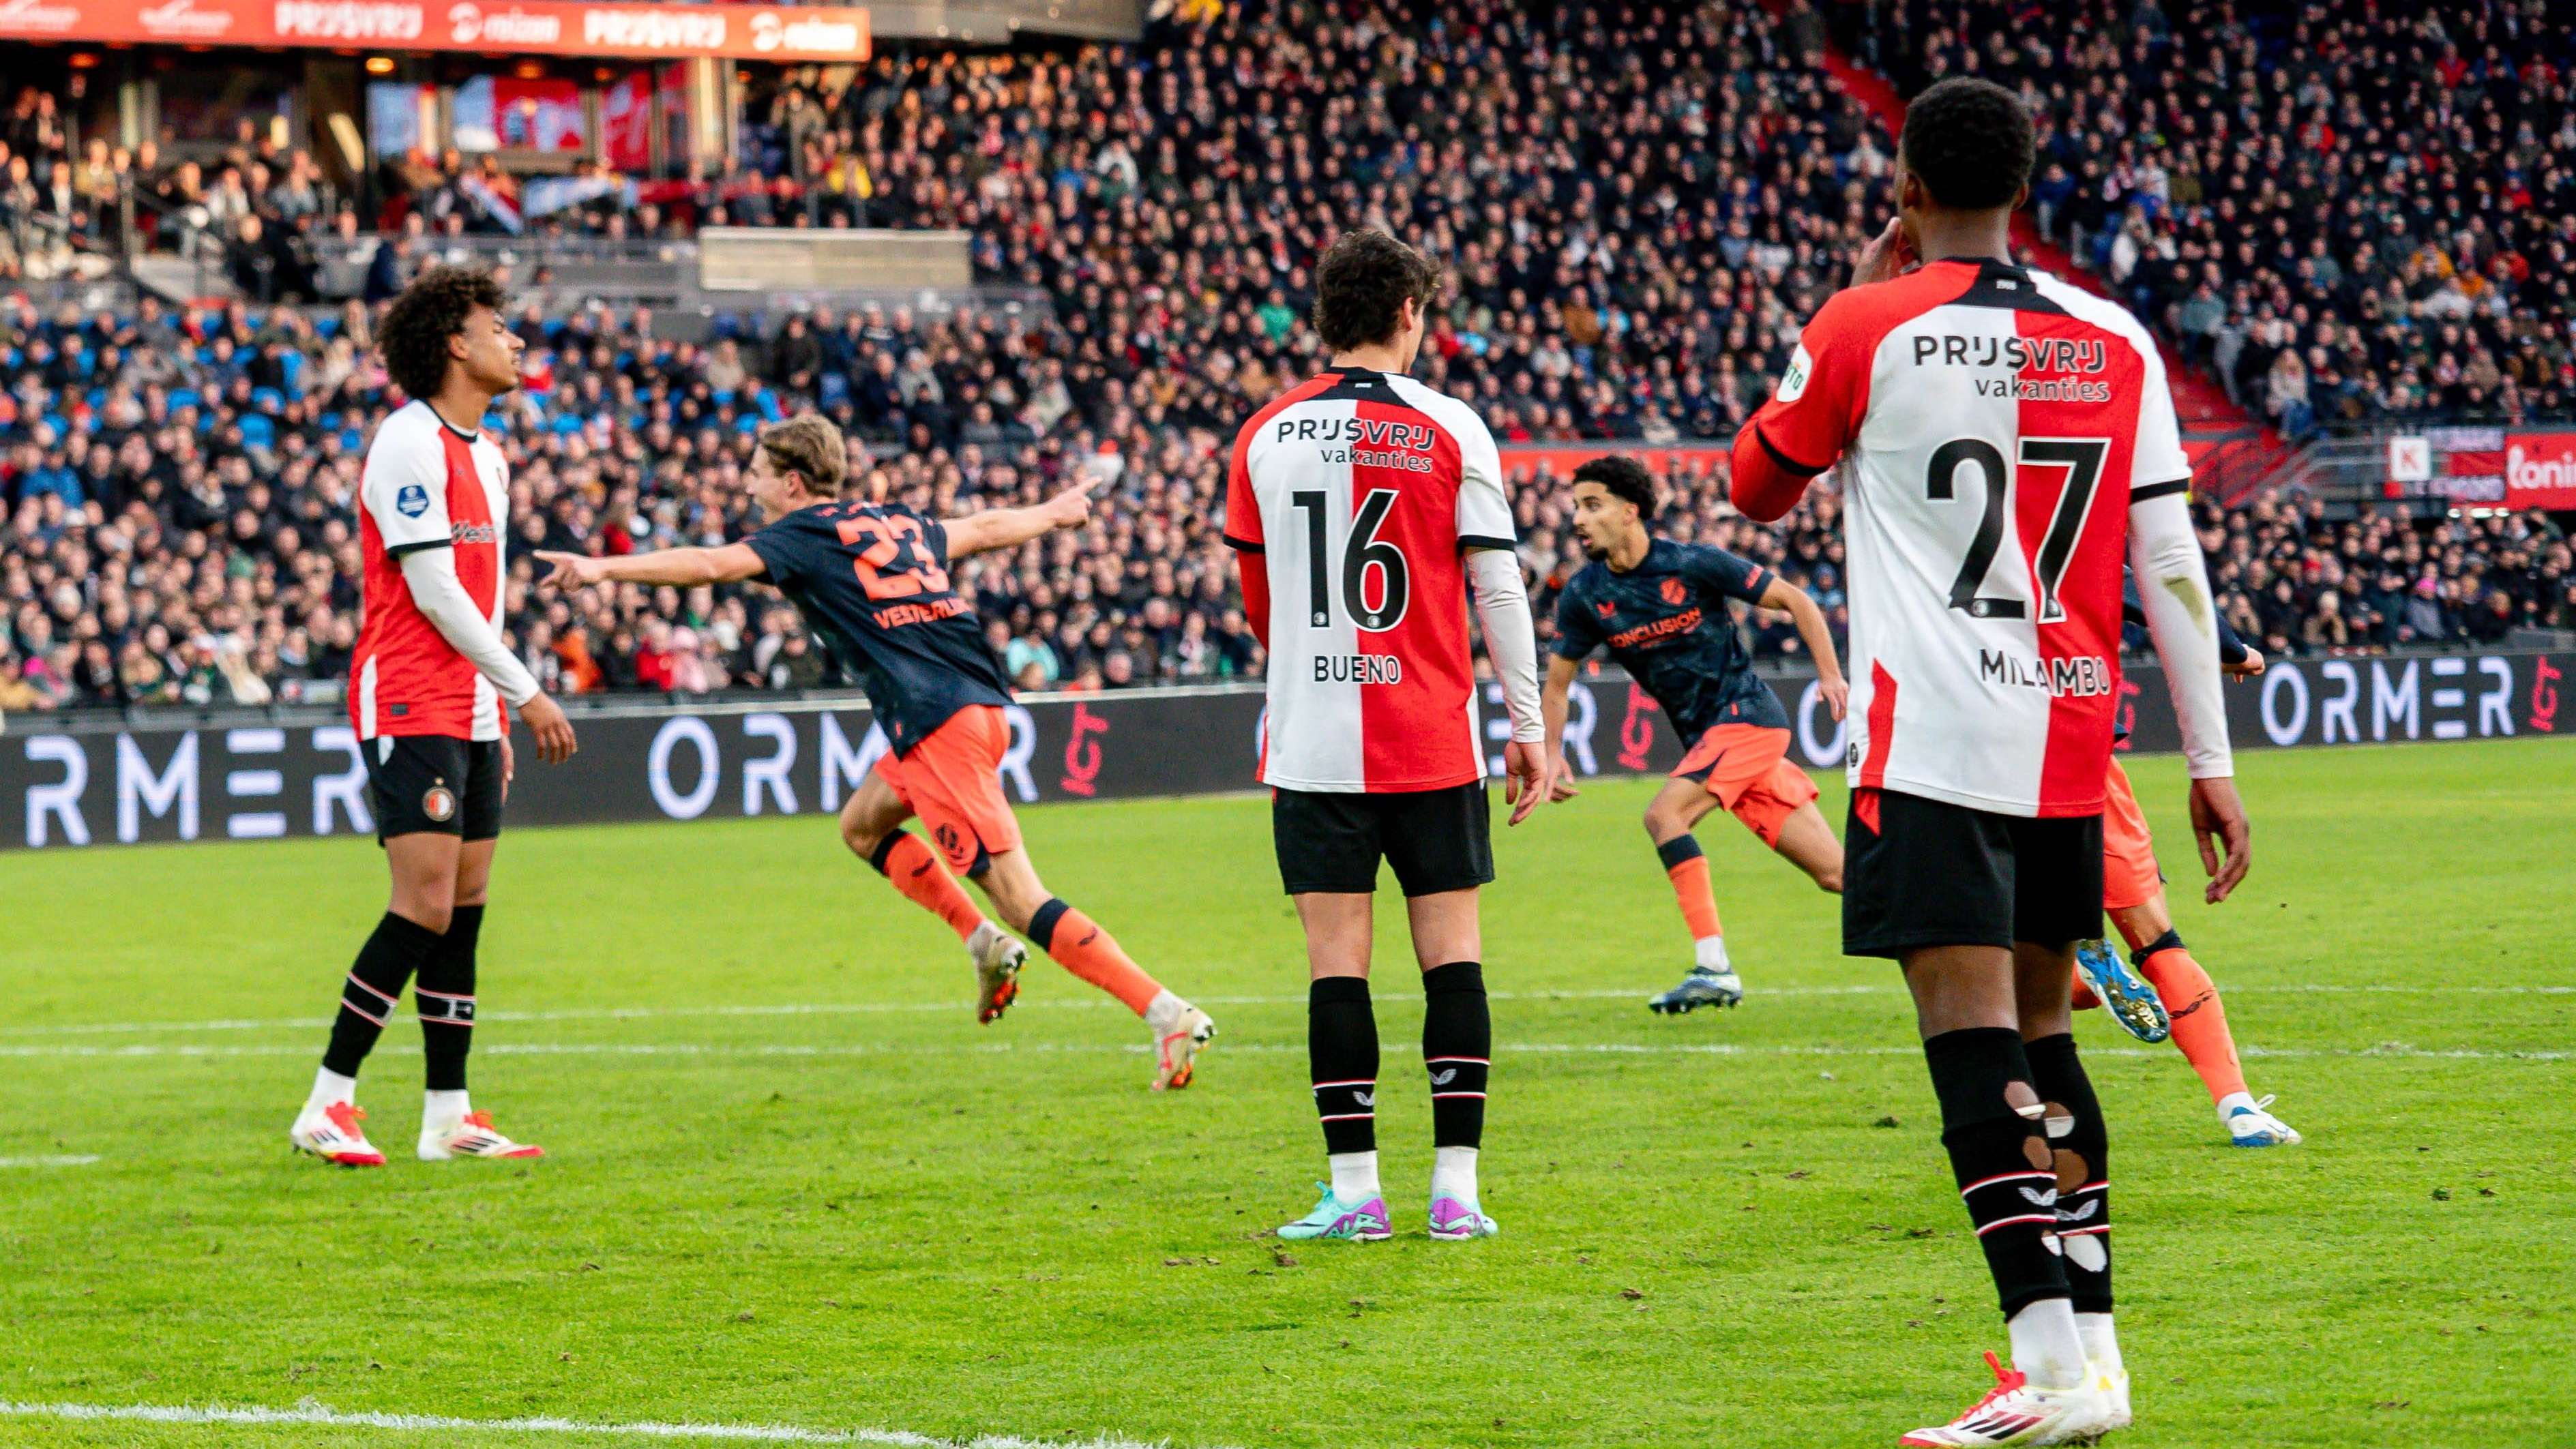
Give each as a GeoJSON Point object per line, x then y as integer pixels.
{"type": "Point", "coordinates": [1163, 1014]}
{"type": "Point", "coordinates": [2234, 1100]}
{"type": "Point", "coordinates": [2100, 1344]}
{"type": "Point", "coordinates": [2046, 1347]}
{"type": "Point", "coordinates": [1710, 954]}
{"type": "Point", "coordinates": [329, 1087]}
{"type": "Point", "coordinates": [1354, 1176]}
{"type": "Point", "coordinates": [1453, 1173]}
{"type": "Point", "coordinates": [443, 1109]}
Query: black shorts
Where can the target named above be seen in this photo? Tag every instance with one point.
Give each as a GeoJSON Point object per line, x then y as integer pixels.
{"type": "Point", "coordinates": [1437, 840]}
{"type": "Point", "coordinates": [434, 783]}
{"type": "Point", "coordinates": [1920, 872]}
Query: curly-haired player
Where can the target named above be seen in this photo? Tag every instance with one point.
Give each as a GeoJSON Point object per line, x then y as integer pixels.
{"type": "Point", "coordinates": [427, 690]}
{"type": "Point", "coordinates": [1659, 608]}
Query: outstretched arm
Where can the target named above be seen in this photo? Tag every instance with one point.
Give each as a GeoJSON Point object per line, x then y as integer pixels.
{"type": "Point", "coordinates": [1010, 527]}
{"type": "Point", "coordinates": [1815, 634]}
{"type": "Point", "coordinates": [683, 567]}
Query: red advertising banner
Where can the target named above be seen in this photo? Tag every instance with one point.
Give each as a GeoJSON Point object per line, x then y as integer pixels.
{"type": "Point", "coordinates": [2540, 470]}
{"type": "Point", "coordinates": [786, 33]}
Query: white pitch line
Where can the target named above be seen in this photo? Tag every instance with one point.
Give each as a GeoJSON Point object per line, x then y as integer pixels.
{"type": "Point", "coordinates": [863, 1008]}
{"type": "Point", "coordinates": [758, 1433]}
{"type": "Point", "coordinates": [729, 1050]}
{"type": "Point", "coordinates": [77, 1159]}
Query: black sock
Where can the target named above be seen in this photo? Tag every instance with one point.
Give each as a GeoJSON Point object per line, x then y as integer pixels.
{"type": "Point", "coordinates": [1341, 1051]}
{"type": "Point", "coordinates": [1457, 1049]}
{"type": "Point", "coordinates": [443, 994]}
{"type": "Point", "coordinates": [374, 987]}
{"type": "Point", "coordinates": [1989, 1123]}
{"type": "Point", "coordinates": [2081, 1143]}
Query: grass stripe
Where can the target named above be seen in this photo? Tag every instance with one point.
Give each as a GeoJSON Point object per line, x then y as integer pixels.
{"type": "Point", "coordinates": [963, 1004]}
{"type": "Point", "coordinates": [318, 1415]}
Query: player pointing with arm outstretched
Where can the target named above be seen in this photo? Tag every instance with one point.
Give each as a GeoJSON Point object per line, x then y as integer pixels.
{"type": "Point", "coordinates": [1364, 508]}
{"type": "Point", "coordinates": [427, 686]}
{"type": "Point", "coordinates": [872, 578]}
{"type": "Point", "coordinates": [2007, 443]}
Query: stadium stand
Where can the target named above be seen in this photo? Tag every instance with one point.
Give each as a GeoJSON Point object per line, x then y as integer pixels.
{"type": "Point", "coordinates": [2344, 210]}
{"type": "Point", "coordinates": [1636, 217]}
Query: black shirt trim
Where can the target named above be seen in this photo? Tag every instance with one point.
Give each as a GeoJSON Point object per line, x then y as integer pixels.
{"type": "Point", "coordinates": [2158, 490]}
{"type": "Point", "coordinates": [1803, 470]}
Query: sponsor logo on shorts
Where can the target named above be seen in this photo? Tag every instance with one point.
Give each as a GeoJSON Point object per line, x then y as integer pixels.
{"type": "Point", "coordinates": [948, 840]}
{"type": "Point", "coordinates": [439, 803]}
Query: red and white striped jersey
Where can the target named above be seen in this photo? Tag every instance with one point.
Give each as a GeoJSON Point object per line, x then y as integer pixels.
{"type": "Point", "coordinates": [1994, 423]}
{"type": "Point", "coordinates": [426, 485]}
{"type": "Point", "coordinates": [1359, 492]}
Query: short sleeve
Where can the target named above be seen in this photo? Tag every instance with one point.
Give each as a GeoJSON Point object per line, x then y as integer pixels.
{"type": "Point", "coordinates": [1242, 506]}
{"type": "Point", "coordinates": [404, 489]}
{"type": "Point", "coordinates": [781, 550]}
{"type": "Point", "coordinates": [1576, 635]}
{"type": "Point", "coordinates": [1815, 412]}
{"type": "Point", "coordinates": [1484, 507]}
{"type": "Point", "coordinates": [2159, 465]}
{"type": "Point", "coordinates": [1726, 574]}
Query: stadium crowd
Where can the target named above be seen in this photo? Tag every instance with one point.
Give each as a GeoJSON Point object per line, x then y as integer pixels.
{"type": "Point", "coordinates": [1635, 219]}
{"type": "Point", "coordinates": [2343, 209]}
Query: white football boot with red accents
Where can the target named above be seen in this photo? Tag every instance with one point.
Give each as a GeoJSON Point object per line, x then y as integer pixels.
{"type": "Point", "coordinates": [332, 1134]}
{"type": "Point", "coordinates": [2015, 1411]}
{"type": "Point", "coordinates": [471, 1135]}
{"type": "Point", "coordinates": [1176, 1052]}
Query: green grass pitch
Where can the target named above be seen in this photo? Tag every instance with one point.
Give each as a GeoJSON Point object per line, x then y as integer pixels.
{"type": "Point", "coordinates": [793, 1183]}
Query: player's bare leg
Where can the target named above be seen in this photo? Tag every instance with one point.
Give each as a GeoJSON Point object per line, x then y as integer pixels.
{"type": "Point", "coordinates": [1080, 945]}
{"type": "Point", "coordinates": [872, 827]}
{"type": "Point", "coordinates": [1974, 1005]}
{"type": "Point", "coordinates": [1810, 844]}
{"type": "Point", "coordinates": [443, 996]}
{"type": "Point", "coordinates": [423, 866]}
{"type": "Point", "coordinates": [2199, 1023]}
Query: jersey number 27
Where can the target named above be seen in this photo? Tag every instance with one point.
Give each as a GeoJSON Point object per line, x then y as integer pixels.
{"type": "Point", "coordinates": [2082, 460]}
{"type": "Point", "coordinates": [894, 565]}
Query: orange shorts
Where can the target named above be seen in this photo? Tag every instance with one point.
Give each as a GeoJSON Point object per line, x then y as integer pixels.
{"type": "Point", "coordinates": [952, 780]}
{"type": "Point", "coordinates": [1747, 768]}
{"type": "Point", "coordinates": [2130, 877]}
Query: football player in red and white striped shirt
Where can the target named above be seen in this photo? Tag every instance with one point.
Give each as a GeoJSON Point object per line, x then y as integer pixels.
{"type": "Point", "coordinates": [1364, 507]}
{"type": "Point", "coordinates": [427, 687]}
{"type": "Point", "coordinates": [2007, 443]}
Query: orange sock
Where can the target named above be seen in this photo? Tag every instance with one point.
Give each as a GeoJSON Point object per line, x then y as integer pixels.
{"type": "Point", "coordinates": [2199, 1020]}
{"type": "Point", "coordinates": [914, 869]}
{"type": "Point", "coordinates": [1079, 945]}
{"type": "Point", "coordinates": [1688, 870]}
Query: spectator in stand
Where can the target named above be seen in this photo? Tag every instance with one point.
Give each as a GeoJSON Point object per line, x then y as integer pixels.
{"type": "Point", "coordinates": [2389, 186]}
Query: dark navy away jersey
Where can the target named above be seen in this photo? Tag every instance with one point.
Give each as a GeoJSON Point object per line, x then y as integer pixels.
{"type": "Point", "coordinates": [873, 581]}
{"type": "Point", "coordinates": [1666, 622]}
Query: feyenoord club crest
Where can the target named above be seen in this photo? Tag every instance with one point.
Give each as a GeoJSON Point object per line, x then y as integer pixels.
{"type": "Point", "coordinates": [439, 803]}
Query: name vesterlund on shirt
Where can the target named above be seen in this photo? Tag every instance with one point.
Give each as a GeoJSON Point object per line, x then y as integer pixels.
{"type": "Point", "coordinates": [2080, 676]}
{"type": "Point", "coordinates": [2019, 355]}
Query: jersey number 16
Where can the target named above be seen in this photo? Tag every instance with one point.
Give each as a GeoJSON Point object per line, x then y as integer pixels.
{"type": "Point", "coordinates": [1367, 551]}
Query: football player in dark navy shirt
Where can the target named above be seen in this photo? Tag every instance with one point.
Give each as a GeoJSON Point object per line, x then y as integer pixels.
{"type": "Point", "coordinates": [1660, 608]}
{"type": "Point", "coordinates": [871, 578]}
